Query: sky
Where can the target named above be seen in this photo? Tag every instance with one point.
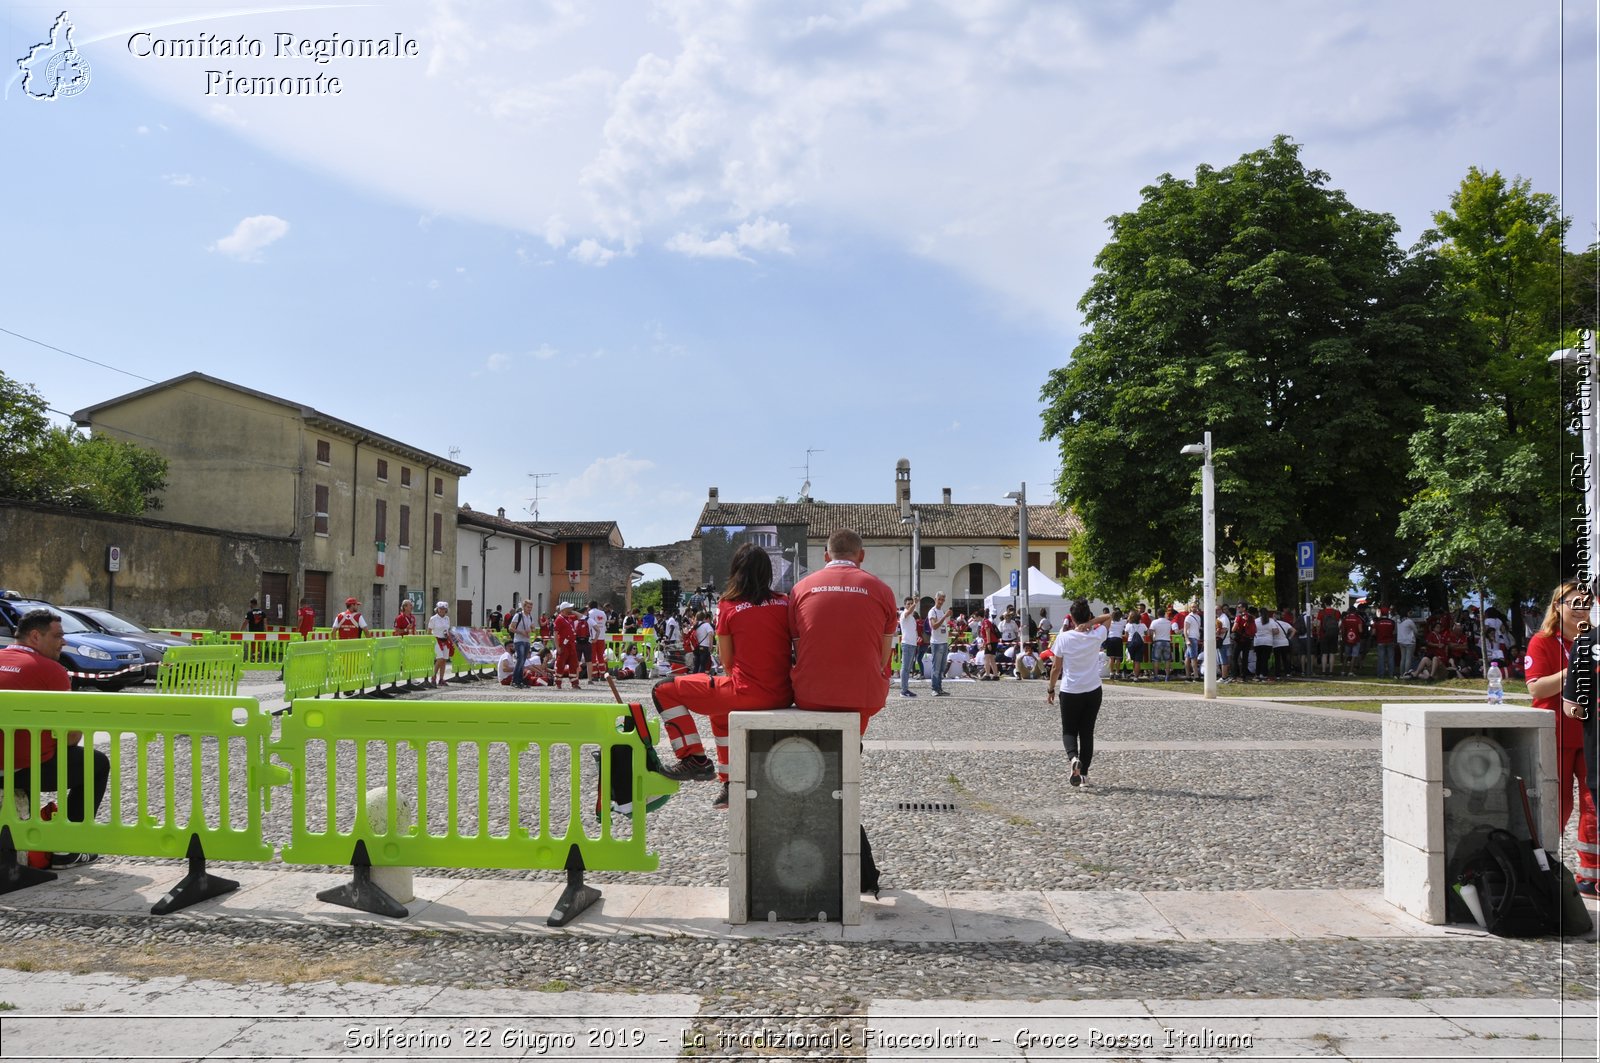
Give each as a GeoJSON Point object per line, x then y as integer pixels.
{"type": "Point", "coordinates": [651, 248]}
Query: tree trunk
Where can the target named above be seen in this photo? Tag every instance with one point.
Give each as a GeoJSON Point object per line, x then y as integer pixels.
{"type": "Point", "coordinates": [1285, 576]}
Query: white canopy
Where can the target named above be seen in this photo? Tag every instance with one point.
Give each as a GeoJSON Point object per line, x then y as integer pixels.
{"type": "Point", "coordinates": [1043, 593]}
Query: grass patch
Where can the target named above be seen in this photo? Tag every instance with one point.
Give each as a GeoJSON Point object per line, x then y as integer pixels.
{"type": "Point", "coordinates": [1352, 706]}
{"type": "Point", "coordinates": [6, 1005]}
{"type": "Point", "coordinates": [555, 985]}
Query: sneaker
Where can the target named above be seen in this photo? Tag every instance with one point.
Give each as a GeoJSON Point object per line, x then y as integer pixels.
{"type": "Point", "coordinates": [1083, 780]}
{"type": "Point", "coordinates": [691, 769]}
{"type": "Point", "coordinates": [1077, 773]}
{"type": "Point", "coordinates": [721, 801]}
{"type": "Point", "coordinates": [907, 694]}
{"type": "Point", "coordinates": [941, 693]}
{"type": "Point", "coordinates": [60, 860]}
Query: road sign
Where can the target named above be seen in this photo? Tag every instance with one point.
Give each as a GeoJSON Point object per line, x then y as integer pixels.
{"type": "Point", "coordinates": [1306, 559]}
{"type": "Point", "coordinates": [113, 559]}
{"type": "Point", "coordinates": [1016, 582]}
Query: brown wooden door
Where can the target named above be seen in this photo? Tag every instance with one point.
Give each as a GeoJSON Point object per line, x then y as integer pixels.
{"type": "Point", "coordinates": [317, 595]}
{"type": "Point", "coordinates": [463, 612]}
{"type": "Point", "coordinates": [275, 597]}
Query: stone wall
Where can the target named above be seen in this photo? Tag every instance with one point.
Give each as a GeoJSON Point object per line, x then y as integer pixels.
{"type": "Point", "coordinates": [172, 575]}
{"type": "Point", "coordinates": [612, 567]}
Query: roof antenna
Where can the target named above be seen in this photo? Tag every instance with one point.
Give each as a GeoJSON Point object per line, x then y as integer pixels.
{"type": "Point", "coordinates": [805, 488]}
{"type": "Point", "coordinates": [533, 503]}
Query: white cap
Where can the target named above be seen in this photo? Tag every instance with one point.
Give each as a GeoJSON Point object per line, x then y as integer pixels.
{"type": "Point", "coordinates": [441, 605]}
{"type": "Point", "coordinates": [564, 605]}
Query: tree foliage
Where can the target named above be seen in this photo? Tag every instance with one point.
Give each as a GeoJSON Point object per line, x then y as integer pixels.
{"type": "Point", "coordinates": [55, 465]}
{"type": "Point", "coordinates": [1259, 304]}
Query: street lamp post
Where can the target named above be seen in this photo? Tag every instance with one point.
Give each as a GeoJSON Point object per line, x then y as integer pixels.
{"type": "Point", "coordinates": [915, 520]}
{"type": "Point", "coordinates": [1208, 506]}
{"type": "Point", "coordinates": [1021, 495]}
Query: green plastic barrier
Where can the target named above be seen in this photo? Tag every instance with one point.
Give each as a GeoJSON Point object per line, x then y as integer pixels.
{"type": "Point", "coordinates": [163, 752]}
{"type": "Point", "coordinates": [642, 643]}
{"type": "Point", "coordinates": [263, 650]}
{"type": "Point", "coordinates": [388, 660]}
{"type": "Point", "coordinates": [211, 670]}
{"type": "Point", "coordinates": [417, 654]}
{"type": "Point", "coordinates": [333, 743]}
{"type": "Point", "coordinates": [194, 635]}
{"type": "Point", "coordinates": [349, 666]}
{"type": "Point", "coordinates": [305, 670]}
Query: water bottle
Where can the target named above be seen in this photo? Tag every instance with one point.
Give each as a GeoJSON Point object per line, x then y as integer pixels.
{"type": "Point", "coordinates": [1497, 690]}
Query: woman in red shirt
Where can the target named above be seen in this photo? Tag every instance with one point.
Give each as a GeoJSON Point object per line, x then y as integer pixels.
{"type": "Point", "coordinates": [405, 621]}
{"type": "Point", "coordinates": [753, 642]}
{"type": "Point", "coordinates": [1546, 668]}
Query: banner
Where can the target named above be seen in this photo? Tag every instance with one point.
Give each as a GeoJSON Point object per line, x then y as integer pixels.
{"type": "Point", "coordinates": [477, 645]}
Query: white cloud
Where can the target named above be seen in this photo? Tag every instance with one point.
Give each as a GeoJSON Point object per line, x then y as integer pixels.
{"type": "Point", "coordinates": [179, 180]}
{"type": "Point", "coordinates": [498, 363]}
{"type": "Point", "coordinates": [544, 352]}
{"type": "Point", "coordinates": [143, 130]}
{"type": "Point", "coordinates": [591, 253]}
{"type": "Point", "coordinates": [221, 112]}
{"type": "Point", "coordinates": [724, 246]}
{"type": "Point", "coordinates": [761, 235]}
{"type": "Point", "coordinates": [250, 236]}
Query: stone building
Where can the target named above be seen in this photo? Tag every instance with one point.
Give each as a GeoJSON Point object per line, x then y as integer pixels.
{"type": "Point", "coordinates": [374, 517]}
{"type": "Point", "coordinates": [588, 561]}
{"type": "Point", "coordinates": [503, 562]}
{"type": "Point", "coordinates": [966, 549]}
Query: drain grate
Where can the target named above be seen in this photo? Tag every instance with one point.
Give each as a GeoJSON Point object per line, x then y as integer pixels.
{"type": "Point", "coordinates": [924, 806]}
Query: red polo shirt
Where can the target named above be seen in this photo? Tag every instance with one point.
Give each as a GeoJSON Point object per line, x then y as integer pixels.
{"type": "Point", "coordinates": [839, 616]}
{"type": "Point", "coordinates": [22, 668]}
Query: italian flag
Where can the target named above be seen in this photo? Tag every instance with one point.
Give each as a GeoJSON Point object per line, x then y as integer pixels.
{"type": "Point", "coordinates": [383, 556]}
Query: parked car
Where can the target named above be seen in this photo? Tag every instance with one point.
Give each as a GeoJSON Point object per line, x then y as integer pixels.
{"type": "Point", "coordinates": [91, 658]}
{"type": "Point", "coordinates": [152, 644]}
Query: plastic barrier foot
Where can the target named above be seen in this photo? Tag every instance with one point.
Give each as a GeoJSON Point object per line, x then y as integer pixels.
{"type": "Point", "coordinates": [198, 885]}
{"type": "Point", "coordinates": [361, 893]}
{"type": "Point", "coordinates": [15, 876]}
{"type": "Point", "coordinates": [576, 897]}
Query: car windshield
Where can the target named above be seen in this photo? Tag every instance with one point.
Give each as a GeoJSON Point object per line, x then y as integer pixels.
{"type": "Point", "coordinates": [112, 622]}
{"type": "Point", "coordinates": [70, 624]}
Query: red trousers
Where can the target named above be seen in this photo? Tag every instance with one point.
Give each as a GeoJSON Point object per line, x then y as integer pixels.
{"type": "Point", "coordinates": [1570, 772]}
{"type": "Point", "coordinates": [567, 661]}
{"type": "Point", "coordinates": [710, 696]}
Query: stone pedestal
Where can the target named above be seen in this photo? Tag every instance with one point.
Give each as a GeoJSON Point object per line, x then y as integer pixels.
{"type": "Point", "coordinates": [807, 766]}
{"type": "Point", "coordinates": [1430, 800]}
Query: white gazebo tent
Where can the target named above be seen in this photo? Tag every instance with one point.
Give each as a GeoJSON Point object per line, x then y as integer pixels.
{"type": "Point", "coordinates": [1043, 593]}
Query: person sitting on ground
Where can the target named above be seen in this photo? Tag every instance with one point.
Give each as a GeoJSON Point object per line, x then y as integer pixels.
{"type": "Point", "coordinates": [955, 665]}
{"type": "Point", "coordinates": [631, 668]}
{"type": "Point", "coordinates": [505, 669]}
{"type": "Point", "coordinates": [753, 640]}
{"type": "Point", "coordinates": [1027, 665]}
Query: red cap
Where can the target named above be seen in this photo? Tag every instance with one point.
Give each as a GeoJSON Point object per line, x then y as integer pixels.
{"type": "Point", "coordinates": [352, 601]}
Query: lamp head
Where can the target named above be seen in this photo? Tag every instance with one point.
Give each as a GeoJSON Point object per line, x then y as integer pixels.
{"type": "Point", "coordinates": [1194, 450]}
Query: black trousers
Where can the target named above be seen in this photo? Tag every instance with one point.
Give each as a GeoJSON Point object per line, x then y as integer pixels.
{"type": "Point", "coordinates": [49, 778]}
{"type": "Point", "coordinates": [1078, 713]}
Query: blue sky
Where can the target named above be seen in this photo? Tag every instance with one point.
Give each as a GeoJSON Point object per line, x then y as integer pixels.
{"type": "Point", "coordinates": [654, 248]}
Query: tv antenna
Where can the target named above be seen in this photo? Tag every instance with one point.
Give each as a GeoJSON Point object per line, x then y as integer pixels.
{"type": "Point", "coordinates": [538, 482]}
{"type": "Point", "coordinates": [455, 452]}
{"type": "Point", "coordinates": [805, 488]}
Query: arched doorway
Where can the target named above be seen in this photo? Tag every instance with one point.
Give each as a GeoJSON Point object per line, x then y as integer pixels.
{"type": "Point", "coordinates": [972, 584]}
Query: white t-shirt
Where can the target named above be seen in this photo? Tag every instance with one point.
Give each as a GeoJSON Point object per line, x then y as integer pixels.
{"type": "Point", "coordinates": [955, 665]}
{"type": "Point", "coordinates": [1079, 654]}
{"type": "Point", "coordinates": [1135, 629]}
{"type": "Point", "coordinates": [705, 634]}
{"type": "Point", "coordinates": [938, 630]}
{"type": "Point", "coordinates": [663, 666]}
{"type": "Point", "coordinates": [1405, 632]}
{"type": "Point", "coordinates": [439, 626]}
{"type": "Point", "coordinates": [908, 629]}
{"type": "Point", "coordinates": [672, 629]}
{"type": "Point", "coordinates": [1008, 630]}
{"type": "Point", "coordinates": [631, 663]}
{"type": "Point", "coordinates": [597, 624]}
{"type": "Point", "coordinates": [505, 667]}
{"type": "Point", "coordinates": [1191, 626]}
{"type": "Point", "coordinates": [1117, 628]}
{"type": "Point", "coordinates": [1161, 629]}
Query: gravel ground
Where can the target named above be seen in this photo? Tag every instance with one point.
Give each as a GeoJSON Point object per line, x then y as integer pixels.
{"type": "Point", "coordinates": [1209, 819]}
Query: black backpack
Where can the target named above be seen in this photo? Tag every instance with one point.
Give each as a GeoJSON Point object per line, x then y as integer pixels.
{"type": "Point", "coordinates": [1519, 899]}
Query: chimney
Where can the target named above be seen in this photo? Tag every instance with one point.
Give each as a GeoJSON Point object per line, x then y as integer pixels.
{"type": "Point", "coordinates": [947, 496]}
{"type": "Point", "coordinates": [711, 500]}
{"type": "Point", "coordinates": [902, 486]}
{"type": "Point", "coordinates": [502, 510]}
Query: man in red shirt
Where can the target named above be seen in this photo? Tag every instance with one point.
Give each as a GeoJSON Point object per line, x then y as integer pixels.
{"type": "Point", "coordinates": [1384, 630]}
{"type": "Point", "coordinates": [307, 617]}
{"type": "Point", "coordinates": [349, 624]}
{"type": "Point", "coordinates": [566, 636]}
{"type": "Point", "coordinates": [843, 620]}
{"type": "Point", "coordinates": [1327, 635]}
{"type": "Point", "coordinates": [33, 663]}
{"type": "Point", "coordinates": [1350, 635]}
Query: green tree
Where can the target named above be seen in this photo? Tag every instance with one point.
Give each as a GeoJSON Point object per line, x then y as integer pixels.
{"type": "Point", "coordinates": [647, 595]}
{"type": "Point", "coordinates": [47, 463]}
{"type": "Point", "coordinates": [1501, 244]}
{"type": "Point", "coordinates": [1258, 303]}
{"type": "Point", "coordinates": [1464, 515]}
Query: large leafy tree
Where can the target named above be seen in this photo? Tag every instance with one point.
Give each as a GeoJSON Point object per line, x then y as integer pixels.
{"type": "Point", "coordinates": [47, 463]}
{"type": "Point", "coordinates": [1257, 303]}
{"type": "Point", "coordinates": [1501, 245]}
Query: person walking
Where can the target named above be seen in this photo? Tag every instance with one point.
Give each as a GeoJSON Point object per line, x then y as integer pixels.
{"type": "Point", "coordinates": [521, 625]}
{"type": "Point", "coordinates": [444, 646]}
{"type": "Point", "coordinates": [1075, 669]}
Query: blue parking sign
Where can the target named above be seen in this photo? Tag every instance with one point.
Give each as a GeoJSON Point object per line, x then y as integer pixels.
{"type": "Point", "coordinates": [1306, 560]}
